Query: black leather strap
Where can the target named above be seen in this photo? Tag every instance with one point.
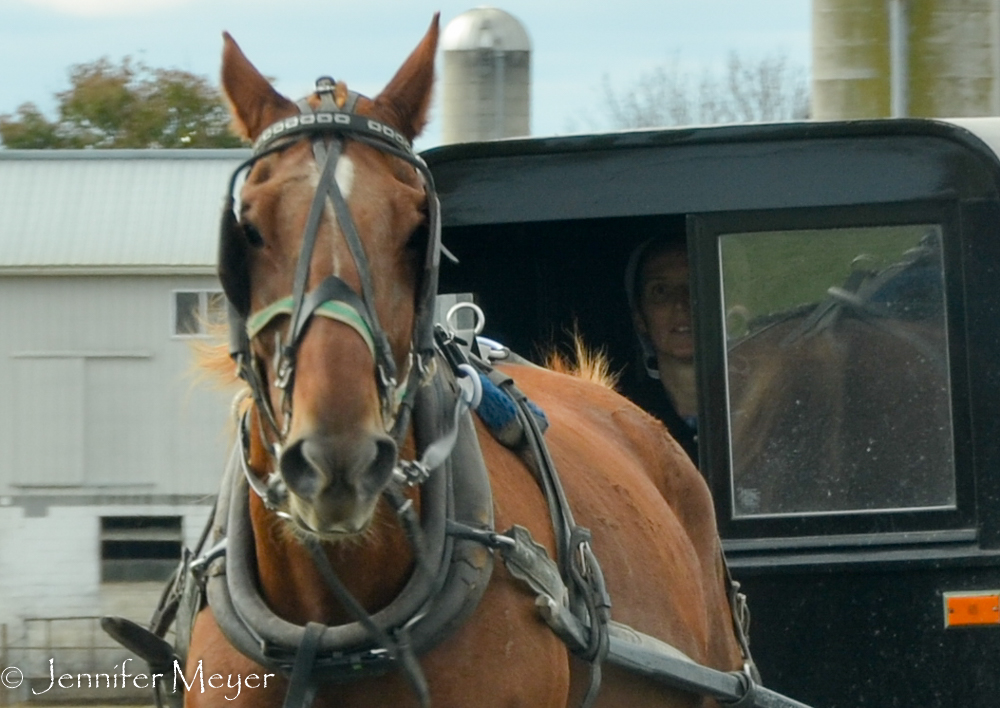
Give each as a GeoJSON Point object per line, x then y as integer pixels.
{"type": "Point", "coordinates": [309, 236]}
{"type": "Point", "coordinates": [382, 351]}
{"type": "Point", "coordinates": [302, 684]}
{"type": "Point", "coordinates": [330, 122]}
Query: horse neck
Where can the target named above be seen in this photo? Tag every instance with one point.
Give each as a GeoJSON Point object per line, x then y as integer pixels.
{"type": "Point", "coordinates": [373, 566]}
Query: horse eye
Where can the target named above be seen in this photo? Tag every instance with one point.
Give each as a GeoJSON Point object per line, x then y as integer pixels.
{"type": "Point", "coordinates": [252, 234]}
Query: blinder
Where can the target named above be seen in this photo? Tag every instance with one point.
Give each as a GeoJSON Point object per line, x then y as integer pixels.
{"type": "Point", "coordinates": [233, 263]}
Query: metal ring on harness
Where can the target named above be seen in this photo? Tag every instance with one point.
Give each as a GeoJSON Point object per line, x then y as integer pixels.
{"type": "Point", "coordinates": [477, 328]}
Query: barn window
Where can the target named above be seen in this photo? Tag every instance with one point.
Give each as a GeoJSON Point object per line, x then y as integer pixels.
{"type": "Point", "coordinates": [139, 548]}
{"type": "Point", "coordinates": [195, 311]}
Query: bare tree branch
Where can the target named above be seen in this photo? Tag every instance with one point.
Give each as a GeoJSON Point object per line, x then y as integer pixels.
{"type": "Point", "coordinates": [766, 89]}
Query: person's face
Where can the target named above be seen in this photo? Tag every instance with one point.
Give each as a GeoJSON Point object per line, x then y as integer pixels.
{"type": "Point", "coordinates": [665, 305]}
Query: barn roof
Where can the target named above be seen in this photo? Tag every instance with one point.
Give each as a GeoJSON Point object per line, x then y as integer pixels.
{"type": "Point", "coordinates": [111, 210]}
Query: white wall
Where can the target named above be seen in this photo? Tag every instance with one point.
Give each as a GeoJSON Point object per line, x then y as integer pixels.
{"type": "Point", "coordinates": [100, 415]}
{"type": "Point", "coordinates": [50, 564]}
{"type": "Point", "coordinates": [99, 395]}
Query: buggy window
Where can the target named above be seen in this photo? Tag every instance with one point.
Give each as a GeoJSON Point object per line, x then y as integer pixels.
{"type": "Point", "coordinates": [837, 370]}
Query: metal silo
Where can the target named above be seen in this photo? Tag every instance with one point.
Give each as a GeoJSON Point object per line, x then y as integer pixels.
{"type": "Point", "coordinates": [486, 87]}
{"type": "Point", "coordinates": [879, 58]}
{"type": "Point", "coordinates": [954, 58]}
{"type": "Point", "coordinates": [850, 59]}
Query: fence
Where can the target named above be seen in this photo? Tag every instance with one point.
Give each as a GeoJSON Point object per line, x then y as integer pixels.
{"type": "Point", "coordinates": [69, 660]}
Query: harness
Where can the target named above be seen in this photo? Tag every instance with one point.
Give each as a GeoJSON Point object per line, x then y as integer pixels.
{"type": "Point", "coordinates": [446, 377]}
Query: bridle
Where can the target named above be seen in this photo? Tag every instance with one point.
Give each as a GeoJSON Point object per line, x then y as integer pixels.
{"type": "Point", "coordinates": [327, 127]}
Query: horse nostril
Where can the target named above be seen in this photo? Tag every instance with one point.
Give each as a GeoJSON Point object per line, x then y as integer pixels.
{"type": "Point", "coordinates": [311, 464]}
{"type": "Point", "coordinates": [385, 460]}
{"type": "Point", "coordinates": [299, 474]}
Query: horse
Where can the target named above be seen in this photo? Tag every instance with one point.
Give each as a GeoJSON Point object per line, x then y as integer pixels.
{"type": "Point", "coordinates": [326, 430]}
{"type": "Point", "coordinates": [844, 405]}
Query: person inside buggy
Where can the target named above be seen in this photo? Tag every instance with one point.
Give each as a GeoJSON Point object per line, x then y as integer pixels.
{"type": "Point", "coordinates": [663, 383]}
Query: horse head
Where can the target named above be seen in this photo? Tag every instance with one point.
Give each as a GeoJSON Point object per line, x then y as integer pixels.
{"type": "Point", "coordinates": [325, 264]}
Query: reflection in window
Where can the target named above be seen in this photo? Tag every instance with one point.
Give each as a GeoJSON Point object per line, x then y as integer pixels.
{"type": "Point", "coordinates": [837, 363]}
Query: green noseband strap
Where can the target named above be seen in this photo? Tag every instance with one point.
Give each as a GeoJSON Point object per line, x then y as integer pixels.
{"type": "Point", "coordinates": [331, 309]}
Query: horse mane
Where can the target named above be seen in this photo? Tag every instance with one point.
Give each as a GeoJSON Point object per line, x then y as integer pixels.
{"type": "Point", "coordinates": [211, 358]}
{"type": "Point", "coordinates": [585, 363]}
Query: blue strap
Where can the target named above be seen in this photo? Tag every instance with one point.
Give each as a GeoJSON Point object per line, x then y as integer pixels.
{"type": "Point", "coordinates": [498, 411]}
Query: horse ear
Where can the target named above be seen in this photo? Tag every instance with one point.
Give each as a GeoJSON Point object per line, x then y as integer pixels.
{"type": "Point", "coordinates": [253, 102]}
{"type": "Point", "coordinates": [404, 102]}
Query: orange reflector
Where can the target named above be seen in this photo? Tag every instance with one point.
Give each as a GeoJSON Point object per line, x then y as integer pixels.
{"type": "Point", "coordinates": [965, 609]}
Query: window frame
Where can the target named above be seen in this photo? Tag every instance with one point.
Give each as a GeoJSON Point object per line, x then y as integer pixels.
{"type": "Point", "coordinates": [704, 234]}
{"type": "Point", "coordinates": [202, 315]}
{"type": "Point", "coordinates": [150, 532]}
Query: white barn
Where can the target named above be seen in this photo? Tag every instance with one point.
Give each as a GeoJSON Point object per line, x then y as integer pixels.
{"type": "Point", "coordinates": [112, 451]}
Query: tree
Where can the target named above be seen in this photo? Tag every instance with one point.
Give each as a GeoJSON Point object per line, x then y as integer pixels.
{"type": "Point", "coordinates": [765, 90]}
{"type": "Point", "coordinates": [128, 105]}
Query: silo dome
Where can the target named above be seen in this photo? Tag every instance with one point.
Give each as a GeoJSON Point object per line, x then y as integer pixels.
{"type": "Point", "coordinates": [485, 28]}
{"type": "Point", "coordinates": [486, 86]}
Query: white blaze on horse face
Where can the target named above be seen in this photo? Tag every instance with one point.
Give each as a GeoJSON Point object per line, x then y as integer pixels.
{"type": "Point", "coordinates": [343, 173]}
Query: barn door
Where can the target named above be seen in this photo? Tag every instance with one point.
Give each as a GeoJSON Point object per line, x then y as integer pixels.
{"type": "Point", "coordinates": [49, 426]}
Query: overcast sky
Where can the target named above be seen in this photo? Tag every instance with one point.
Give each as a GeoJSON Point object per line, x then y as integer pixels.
{"type": "Point", "coordinates": [575, 43]}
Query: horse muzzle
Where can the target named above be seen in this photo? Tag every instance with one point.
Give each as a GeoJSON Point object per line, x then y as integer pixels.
{"type": "Point", "coordinates": [335, 480]}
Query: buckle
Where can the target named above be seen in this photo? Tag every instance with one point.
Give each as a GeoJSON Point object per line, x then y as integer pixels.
{"type": "Point", "coordinates": [411, 473]}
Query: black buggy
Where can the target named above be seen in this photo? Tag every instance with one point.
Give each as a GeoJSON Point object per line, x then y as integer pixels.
{"type": "Point", "coordinates": [847, 318]}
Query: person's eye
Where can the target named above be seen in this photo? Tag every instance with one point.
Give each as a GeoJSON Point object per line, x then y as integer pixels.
{"type": "Point", "coordinates": [658, 293]}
